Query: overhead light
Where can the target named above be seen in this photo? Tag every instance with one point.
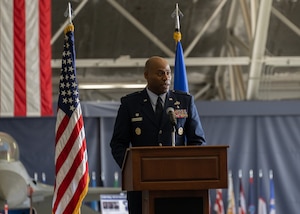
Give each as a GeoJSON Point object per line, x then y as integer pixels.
{"type": "Point", "coordinates": [110, 86]}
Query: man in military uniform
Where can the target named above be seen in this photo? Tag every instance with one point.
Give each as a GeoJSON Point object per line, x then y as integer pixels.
{"type": "Point", "coordinates": [142, 121]}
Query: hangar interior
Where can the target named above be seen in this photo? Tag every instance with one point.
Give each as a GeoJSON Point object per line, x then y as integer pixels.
{"type": "Point", "coordinates": [233, 49]}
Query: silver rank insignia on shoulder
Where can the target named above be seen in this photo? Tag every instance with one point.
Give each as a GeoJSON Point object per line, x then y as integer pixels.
{"type": "Point", "coordinates": [177, 103]}
{"type": "Point", "coordinates": [138, 131]}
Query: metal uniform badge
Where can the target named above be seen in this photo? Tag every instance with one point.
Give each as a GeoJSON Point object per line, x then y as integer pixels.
{"type": "Point", "coordinates": [177, 103]}
{"type": "Point", "coordinates": [137, 118]}
{"type": "Point", "coordinates": [180, 131]}
{"type": "Point", "coordinates": [138, 131]}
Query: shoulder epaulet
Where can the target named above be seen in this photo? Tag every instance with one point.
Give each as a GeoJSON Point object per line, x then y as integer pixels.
{"type": "Point", "coordinates": [133, 94]}
{"type": "Point", "coordinates": [180, 92]}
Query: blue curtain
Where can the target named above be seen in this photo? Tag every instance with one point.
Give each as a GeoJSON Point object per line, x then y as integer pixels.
{"type": "Point", "coordinates": [261, 136]}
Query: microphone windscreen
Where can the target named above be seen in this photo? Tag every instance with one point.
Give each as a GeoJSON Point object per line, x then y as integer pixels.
{"type": "Point", "coordinates": [171, 113]}
{"type": "Point", "coordinates": [170, 110]}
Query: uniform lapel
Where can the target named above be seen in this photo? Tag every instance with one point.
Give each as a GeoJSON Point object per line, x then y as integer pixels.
{"type": "Point", "coordinates": [147, 107]}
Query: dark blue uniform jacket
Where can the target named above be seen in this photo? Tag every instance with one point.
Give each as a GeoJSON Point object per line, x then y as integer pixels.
{"type": "Point", "coordinates": [136, 123]}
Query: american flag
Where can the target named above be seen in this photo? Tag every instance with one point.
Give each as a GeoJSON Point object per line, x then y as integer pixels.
{"type": "Point", "coordinates": [71, 161]}
{"type": "Point", "coordinates": [219, 205]}
{"type": "Point", "coordinates": [25, 58]}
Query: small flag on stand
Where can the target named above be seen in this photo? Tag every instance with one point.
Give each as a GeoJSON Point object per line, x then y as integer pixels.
{"type": "Point", "coordinates": [180, 78]}
{"type": "Point", "coordinates": [71, 160]}
{"type": "Point", "coordinates": [242, 200]}
{"type": "Point", "coordinates": [94, 204]}
{"type": "Point", "coordinates": [262, 205]}
{"type": "Point", "coordinates": [5, 208]}
{"type": "Point", "coordinates": [272, 194]}
{"type": "Point", "coordinates": [230, 198]}
{"type": "Point", "coordinates": [251, 200]}
{"type": "Point", "coordinates": [219, 205]}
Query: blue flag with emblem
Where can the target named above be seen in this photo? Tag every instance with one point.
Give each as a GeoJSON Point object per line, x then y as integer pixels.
{"type": "Point", "coordinates": [272, 195]}
{"type": "Point", "coordinates": [180, 78]}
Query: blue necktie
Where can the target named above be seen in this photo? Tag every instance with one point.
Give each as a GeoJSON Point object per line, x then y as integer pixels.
{"type": "Point", "coordinates": [158, 109]}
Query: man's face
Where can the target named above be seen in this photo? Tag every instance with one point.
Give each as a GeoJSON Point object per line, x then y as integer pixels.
{"type": "Point", "coordinates": [158, 76]}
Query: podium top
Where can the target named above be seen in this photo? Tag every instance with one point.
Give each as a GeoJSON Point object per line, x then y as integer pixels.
{"type": "Point", "coordinates": [144, 149]}
{"type": "Point", "coordinates": [175, 168]}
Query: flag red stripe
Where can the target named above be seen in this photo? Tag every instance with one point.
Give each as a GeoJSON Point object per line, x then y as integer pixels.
{"type": "Point", "coordinates": [70, 175]}
{"type": "Point", "coordinates": [81, 185]}
{"type": "Point", "coordinates": [69, 144]}
{"type": "Point", "coordinates": [19, 58]}
{"type": "Point", "coordinates": [61, 128]}
{"type": "Point", "coordinates": [45, 57]}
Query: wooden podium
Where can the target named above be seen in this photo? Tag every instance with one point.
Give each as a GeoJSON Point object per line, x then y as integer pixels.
{"type": "Point", "coordinates": [169, 175]}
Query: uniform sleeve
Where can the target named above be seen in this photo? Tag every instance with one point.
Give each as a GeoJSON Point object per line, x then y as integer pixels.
{"type": "Point", "coordinates": [195, 134]}
{"type": "Point", "coordinates": [121, 135]}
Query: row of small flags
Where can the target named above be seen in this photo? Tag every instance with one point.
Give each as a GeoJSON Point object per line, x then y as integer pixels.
{"type": "Point", "coordinates": [243, 206]}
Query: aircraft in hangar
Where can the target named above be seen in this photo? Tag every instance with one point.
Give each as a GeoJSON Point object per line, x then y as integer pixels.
{"type": "Point", "coordinates": [15, 182]}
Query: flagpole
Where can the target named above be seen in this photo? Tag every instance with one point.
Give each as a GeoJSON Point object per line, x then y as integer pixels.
{"type": "Point", "coordinates": [70, 26]}
{"type": "Point", "coordinates": [61, 29]}
{"type": "Point", "coordinates": [180, 77]}
{"type": "Point", "coordinates": [70, 13]}
{"type": "Point", "coordinates": [176, 14]}
{"type": "Point", "coordinates": [251, 203]}
{"type": "Point", "coordinates": [230, 195]}
{"type": "Point", "coordinates": [271, 174]}
{"type": "Point", "coordinates": [262, 206]}
{"type": "Point", "coordinates": [242, 201]}
{"type": "Point", "coordinates": [272, 205]}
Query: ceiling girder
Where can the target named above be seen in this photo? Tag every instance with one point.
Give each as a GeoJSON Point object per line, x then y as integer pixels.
{"type": "Point", "coordinates": [259, 46]}
{"type": "Point", "coordinates": [256, 31]}
{"type": "Point", "coordinates": [189, 62]}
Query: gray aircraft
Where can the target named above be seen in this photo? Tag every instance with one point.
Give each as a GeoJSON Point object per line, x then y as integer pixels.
{"type": "Point", "coordinates": [15, 184]}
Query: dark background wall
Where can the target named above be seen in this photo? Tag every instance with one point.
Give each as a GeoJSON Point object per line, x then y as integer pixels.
{"type": "Point", "coordinates": [261, 136]}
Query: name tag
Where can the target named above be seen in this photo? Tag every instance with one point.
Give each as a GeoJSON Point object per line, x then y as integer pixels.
{"type": "Point", "coordinates": [136, 119]}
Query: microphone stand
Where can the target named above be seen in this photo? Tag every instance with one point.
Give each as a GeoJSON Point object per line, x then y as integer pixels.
{"type": "Point", "coordinates": [173, 136]}
{"type": "Point", "coordinates": [170, 112]}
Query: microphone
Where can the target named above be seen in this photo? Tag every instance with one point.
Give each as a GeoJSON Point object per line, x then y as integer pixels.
{"type": "Point", "coordinates": [171, 113]}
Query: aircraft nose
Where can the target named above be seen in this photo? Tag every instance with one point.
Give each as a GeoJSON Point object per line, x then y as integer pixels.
{"type": "Point", "coordinates": [9, 150]}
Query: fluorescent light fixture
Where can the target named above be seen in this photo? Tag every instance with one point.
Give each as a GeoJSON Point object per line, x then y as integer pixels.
{"type": "Point", "coordinates": [110, 86]}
